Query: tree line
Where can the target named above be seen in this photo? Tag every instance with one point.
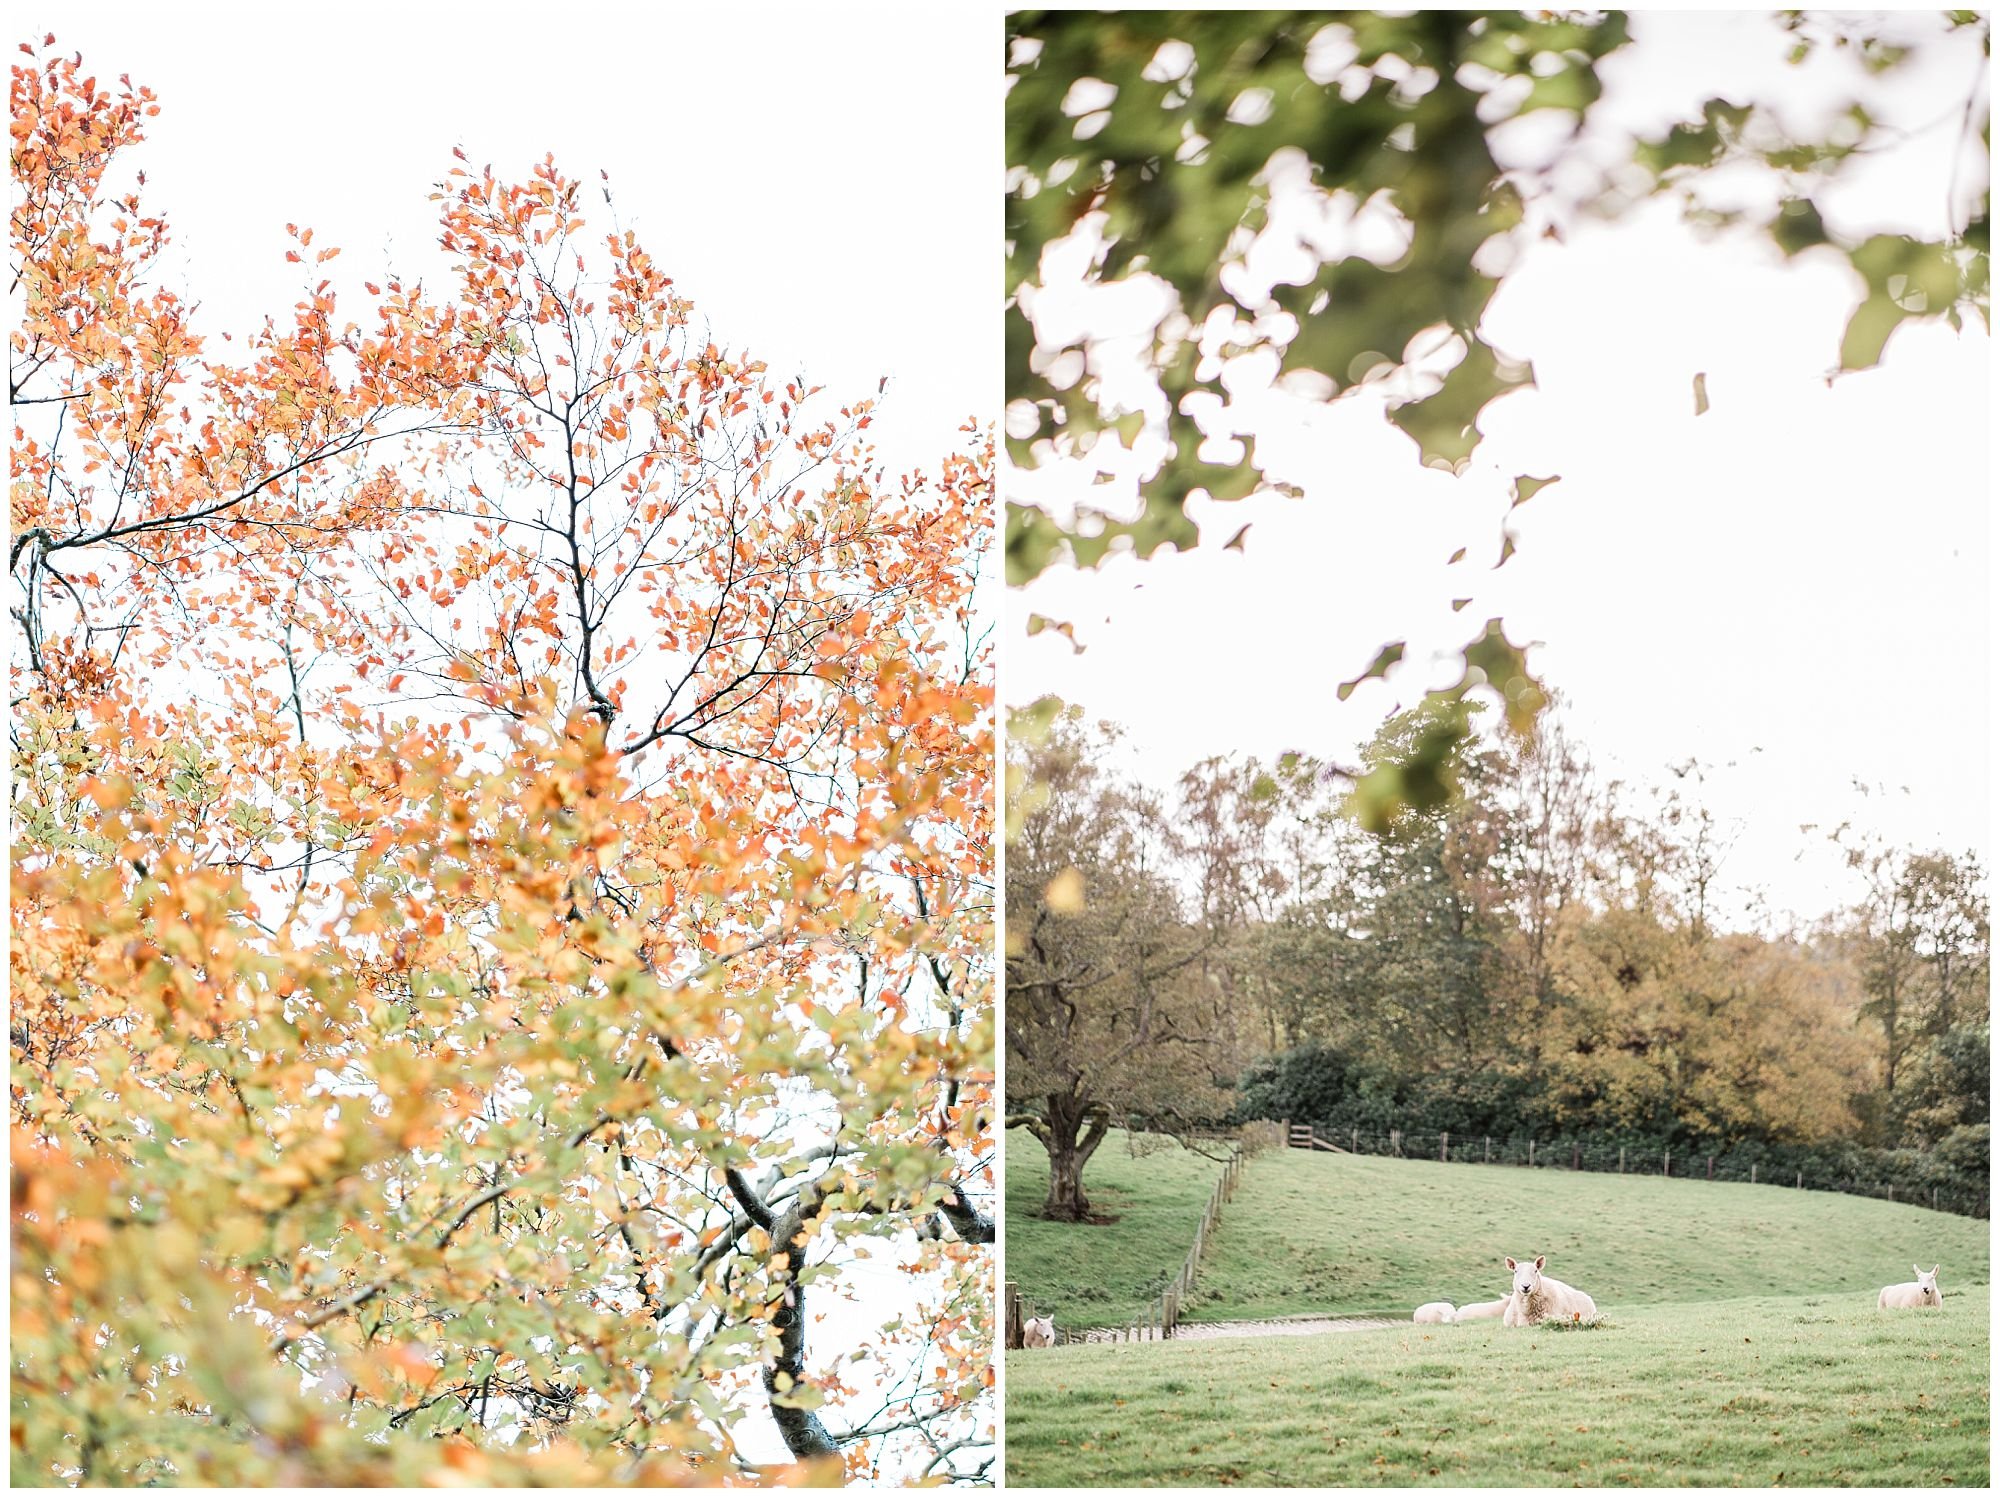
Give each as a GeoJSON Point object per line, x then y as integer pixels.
{"type": "Point", "coordinates": [1529, 946]}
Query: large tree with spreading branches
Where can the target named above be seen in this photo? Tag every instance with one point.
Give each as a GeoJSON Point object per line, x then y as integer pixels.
{"type": "Point", "coordinates": [501, 875]}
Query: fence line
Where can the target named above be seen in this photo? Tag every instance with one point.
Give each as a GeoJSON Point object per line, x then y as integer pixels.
{"type": "Point", "coordinates": [1163, 1315]}
{"type": "Point", "coordinates": [1586, 1153]}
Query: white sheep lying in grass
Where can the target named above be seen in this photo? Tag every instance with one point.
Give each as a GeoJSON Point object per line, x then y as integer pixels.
{"type": "Point", "coordinates": [1922, 1292]}
{"type": "Point", "coordinates": [1484, 1310]}
{"type": "Point", "coordinates": [1436, 1313]}
{"type": "Point", "coordinates": [1039, 1331]}
{"type": "Point", "coordinates": [1538, 1298]}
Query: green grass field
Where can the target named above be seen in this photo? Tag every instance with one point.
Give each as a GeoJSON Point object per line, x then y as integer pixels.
{"type": "Point", "coordinates": [1104, 1273]}
{"type": "Point", "coordinates": [1360, 1234]}
{"type": "Point", "coordinates": [1740, 1342]}
{"type": "Point", "coordinates": [1817, 1390]}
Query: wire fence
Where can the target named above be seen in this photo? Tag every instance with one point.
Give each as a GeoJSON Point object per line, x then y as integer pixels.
{"type": "Point", "coordinates": [1595, 1153]}
{"type": "Point", "coordinates": [1158, 1321]}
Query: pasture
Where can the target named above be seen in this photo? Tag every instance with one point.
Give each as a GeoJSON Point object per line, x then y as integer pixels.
{"type": "Point", "coordinates": [1105, 1273]}
{"type": "Point", "coordinates": [1811, 1389]}
{"type": "Point", "coordinates": [1740, 1342]}
{"type": "Point", "coordinates": [1363, 1235]}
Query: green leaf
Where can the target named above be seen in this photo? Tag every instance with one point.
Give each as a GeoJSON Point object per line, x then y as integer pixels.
{"type": "Point", "coordinates": [1384, 659]}
{"type": "Point", "coordinates": [1798, 226]}
{"type": "Point", "coordinates": [1039, 622]}
{"type": "Point", "coordinates": [1526, 488]}
{"type": "Point", "coordinates": [1445, 425]}
{"type": "Point", "coordinates": [1502, 665]}
{"type": "Point", "coordinates": [1419, 775]}
{"type": "Point", "coordinates": [1033, 542]}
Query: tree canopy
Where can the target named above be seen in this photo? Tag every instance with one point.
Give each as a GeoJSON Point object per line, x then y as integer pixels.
{"type": "Point", "coordinates": [502, 904]}
{"type": "Point", "coordinates": [1115, 916]}
{"type": "Point", "coordinates": [1334, 198]}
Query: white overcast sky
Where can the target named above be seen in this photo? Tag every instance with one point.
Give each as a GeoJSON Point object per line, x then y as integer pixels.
{"type": "Point", "coordinates": [822, 181]}
{"type": "Point", "coordinates": [1793, 587]}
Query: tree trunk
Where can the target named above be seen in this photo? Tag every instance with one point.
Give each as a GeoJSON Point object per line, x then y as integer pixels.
{"type": "Point", "coordinates": [1066, 1201]}
{"type": "Point", "coordinates": [1074, 1132]}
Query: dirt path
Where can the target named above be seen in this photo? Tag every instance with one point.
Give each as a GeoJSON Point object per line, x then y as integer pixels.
{"type": "Point", "coordinates": [1283, 1326]}
{"type": "Point", "coordinates": [1278, 1326]}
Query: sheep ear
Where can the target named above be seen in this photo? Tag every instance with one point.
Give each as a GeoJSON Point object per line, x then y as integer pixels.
{"type": "Point", "coordinates": [1540, 1260]}
{"type": "Point", "coordinates": [1919, 1269]}
{"type": "Point", "coordinates": [1934, 1270]}
{"type": "Point", "coordinates": [1512, 1265]}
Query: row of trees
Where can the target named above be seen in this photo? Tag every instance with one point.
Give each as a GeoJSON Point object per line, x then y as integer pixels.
{"type": "Point", "coordinates": [1535, 948]}
{"type": "Point", "coordinates": [501, 870]}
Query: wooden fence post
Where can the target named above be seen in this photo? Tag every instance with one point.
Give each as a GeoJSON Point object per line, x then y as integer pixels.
{"type": "Point", "coordinates": [1531, 1154]}
{"type": "Point", "coordinates": [1575, 1156]}
{"type": "Point", "coordinates": [1012, 1321]}
{"type": "Point", "coordinates": [1711, 1167]}
{"type": "Point", "coordinates": [1489, 1148]}
{"type": "Point", "coordinates": [1933, 1198]}
{"type": "Point", "coordinates": [1892, 1191]}
{"type": "Point", "coordinates": [1753, 1175]}
{"type": "Point", "coordinates": [1444, 1146]}
{"type": "Point", "coordinates": [1802, 1180]}
{"type": "Point", "coordinates": [1621, 1159]}
{"type": "Point", "coordinates": [1355, 1141]}
{"type": "Point", "coordinates": [1396, 1142]}
{"type": "Point", "coordinates": [1666, 1162]}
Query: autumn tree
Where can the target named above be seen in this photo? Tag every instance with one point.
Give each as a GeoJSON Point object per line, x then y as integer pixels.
{"type": "Point", "coordinates": [1538, 948]}
{"type": "Point", "coordinates": [1548, 804]}
{"type": "Point", "coordinates": [1920, 935]}
{"type": "Point", "coordinates": [502, 870]}
{"type": "Point", "coordinates": [1283, 964]}
{"type": "Point", "coordinates": [1114, 1013]}
{"type": "Point", "coordinates": [1952, 936]}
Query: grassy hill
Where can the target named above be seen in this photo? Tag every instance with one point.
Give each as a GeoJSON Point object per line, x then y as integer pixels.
{"type": "Point", "coordinates": [1104, 1273]}
{"type": "Point", "coordinates": [1740, 1341]}
{"type": "Point", "coordinates": [1360, 1234]}
{"type": "Point", "coordinates": [1816, 1390]}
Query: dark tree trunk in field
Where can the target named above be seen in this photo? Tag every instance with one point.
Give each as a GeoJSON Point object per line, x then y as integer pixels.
{"type": "Point", "coordinates": [1066, 1201]}
{"type": "Point", "coordinates": [1074, 1130]}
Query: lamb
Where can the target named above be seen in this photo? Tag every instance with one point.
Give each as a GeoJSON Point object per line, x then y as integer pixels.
{"type": "Point", "coordinates": [1484, 1310]}
{"type": "Point", "coordinates": [1436, 1313]}
{"type": "Point", "coordinates": [1921, 1292]}
{"type": "Point", "coordinates": [1039, 1331]}
{"type": "Point", "coordinates": [1537, 1298]}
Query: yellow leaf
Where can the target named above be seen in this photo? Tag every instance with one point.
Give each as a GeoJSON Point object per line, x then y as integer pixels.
{"type": "Point", "coordinates": [1065, 893]}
